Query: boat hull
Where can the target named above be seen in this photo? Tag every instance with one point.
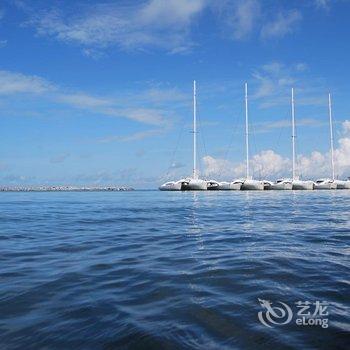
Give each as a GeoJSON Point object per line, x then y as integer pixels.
{"type": "Point", "coordinates": [281, 186]}
{"type": "Point", "coordinates": [303, 185]}
{"type": "Point", "coordinates": [212, 185]}
{"type": "Point", "coordinates": [342, 185]}
{"type": "Point", "coordinates": [326, 186]}
{"type": "Point", "coordinates": [195, 185]}
{"type": "Point", "coordinates": [171, 186]}
{"type": "Point", "coordinates": [230, 186]}
{"type": "Point", "coordinates": [252, 185]}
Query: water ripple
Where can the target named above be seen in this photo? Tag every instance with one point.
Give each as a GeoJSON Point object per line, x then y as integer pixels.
{"type": "Point", "coordinates": [148, 270]}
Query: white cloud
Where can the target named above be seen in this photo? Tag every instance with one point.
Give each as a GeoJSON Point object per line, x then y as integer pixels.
{"type": "Point", "coordinates": [133, 137]}
{"type": "Point", "coordinates": [284, 23]}
{"type": "Point", "coordinates": [285, 123]}
{"type": "Point", "coordinates": [135, 106]}
{"type": "Point", "coordinates": [217, 168]}
{"type": "Point", "coordinates": [155, 23]}
{"type": "Point", "coordinates": [240, 17]}
{"type": "Point", "coordinates": [324, 4]}
{"type": "Point", "coordinates": [265, 164]}
{"type": "Point", "coordinates": [12, 83]}
{"type": "Point", "coordinates": [3, 43]}
{"type": "Point", "coordinates": [346, 127]}
{"type": "Point", "coordinates": [273, 82]}
{"type": "Point", "coordinates": [82, 100]}
{"type": "Point", "coordinates": [270, 165]}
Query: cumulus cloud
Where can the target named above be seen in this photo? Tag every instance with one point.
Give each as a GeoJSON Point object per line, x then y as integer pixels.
{"type": "Point", "coordinates": [264, 164]}
{"type": "Point", "coordinates": [271, 165]}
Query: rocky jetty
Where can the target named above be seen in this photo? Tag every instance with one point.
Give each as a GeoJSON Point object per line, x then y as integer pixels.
{"type": "Point", "coordinates": [63, 188]}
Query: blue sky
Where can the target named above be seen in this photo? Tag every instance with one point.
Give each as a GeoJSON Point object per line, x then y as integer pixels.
{"type": "Point", "coordinates": [99, 92]}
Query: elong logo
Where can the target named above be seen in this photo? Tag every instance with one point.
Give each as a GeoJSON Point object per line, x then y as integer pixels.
{"type": "Point", "coordinates": [282, 314]}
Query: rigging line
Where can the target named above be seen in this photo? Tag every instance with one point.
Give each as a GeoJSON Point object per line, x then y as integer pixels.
{"type": "Point", "coordinates": [233, 135]}
{"type": "Point", "coordinates": [202, 139]}
{"type": "Point", "coordinates": [176, 148]}
{"type": "Point", "coordinates": [260, 168]}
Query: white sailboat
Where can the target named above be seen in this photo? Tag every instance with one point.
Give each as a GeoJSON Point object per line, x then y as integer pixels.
{"type": "Point", "coordinates": [328, 184]}
{"type": "Point", "coordinates": [249, 183]}
{"type": "Point", "coordinates": [230, 186]}
{"type": "Point", "coordinates": [343, 184]}
{"type": "Point", "coordinates": [172, 186]}
{"type": "Point", "coordinates": [297, 183]}
{"type": "Point", "coordinates": [194, 183]}
{"type": "Point", "coordinates": [191, 183]}
{"type": "Point", "coordinates": [280, 185]}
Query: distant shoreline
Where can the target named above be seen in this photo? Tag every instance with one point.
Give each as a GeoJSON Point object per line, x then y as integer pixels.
{"type": "Point", "coordinates": [65, 189]}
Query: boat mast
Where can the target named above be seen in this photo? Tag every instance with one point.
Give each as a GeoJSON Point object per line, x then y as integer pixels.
{"type": "Point", "coordinates": [195, 175]}
{"type": "Point", "coordinates": [331, 134]}
{"type": "Point", "coordinates": [293, 135]}
{"type": "Point", "coordinates": [246, 131]}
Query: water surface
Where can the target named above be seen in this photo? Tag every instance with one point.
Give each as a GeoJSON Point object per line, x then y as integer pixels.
{"type": "Point", "coordinates": [161, 270]}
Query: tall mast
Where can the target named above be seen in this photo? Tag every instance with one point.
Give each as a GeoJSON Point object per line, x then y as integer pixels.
{"type": "Point", "coordinates": [331, 133]}
{"type": "Point", "coordinates": [195, 175]}
{"type": "Point", "coordinates": [293, 134]}
{"type": "Point", "coordinates": [246, 130]}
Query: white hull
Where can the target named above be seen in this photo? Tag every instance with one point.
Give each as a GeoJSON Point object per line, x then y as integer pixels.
{"type": "Point", "coordinates": [325, 185]}
{"type": "Point", "coordinates": [171, 186]}
{"type": "Point", "coordinates": [230, 186]}
{"type": "Point", "coordinates": [303, 185]}
{"type": "Point", "coordinates": [213, 185]}
{"type": "Point", "coordinates": [195, 185]}
{"type": "Point", "coordinates": [342, 185]}
{"type": "Point", "coordinates": [281, 186]}
{"type": "Point", "coordinates": [252, 185]}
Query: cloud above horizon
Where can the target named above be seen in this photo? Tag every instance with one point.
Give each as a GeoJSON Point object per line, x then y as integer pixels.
{"type": "Point", "coordinates": [149, 106]}
{"type": "Point", "coordinates": [154, 23]}
{"type": "Point", "coordinates": [159, 24]}
{"type": "Point", "coordinates": [269, 164]}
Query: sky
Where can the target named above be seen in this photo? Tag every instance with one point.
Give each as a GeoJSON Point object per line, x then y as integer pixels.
{"type": "Point", "coordinates": [100, 92]}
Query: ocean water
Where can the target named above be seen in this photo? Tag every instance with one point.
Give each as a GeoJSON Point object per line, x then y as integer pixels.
{"type": "Point", "coordinates": [162, 270]}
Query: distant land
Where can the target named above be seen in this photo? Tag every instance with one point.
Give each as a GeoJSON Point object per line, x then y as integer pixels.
{"type": "Point", "coordinates": [63, 188]}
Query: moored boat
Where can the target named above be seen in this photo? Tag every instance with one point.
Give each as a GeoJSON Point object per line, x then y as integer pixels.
{"type": "Point", "coordinates": [252, 185]}
{"type": "Point", "coordinates": [230, 186]}
{"type": "Point", "coordinates": [343, 184]}
{"type": "Point", "coordinates": [305, 185]}
{"type": "Point", "coordinates": [281, 184]}
{"type": "Point", "coordinates": [325, 184]}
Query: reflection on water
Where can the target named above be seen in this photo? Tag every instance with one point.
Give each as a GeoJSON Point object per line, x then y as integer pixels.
{"type": "Point", "coordinates": [150, 270]}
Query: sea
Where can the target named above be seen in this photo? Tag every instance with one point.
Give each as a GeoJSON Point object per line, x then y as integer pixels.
{"type": "Point", "coordinates": [175, 270]}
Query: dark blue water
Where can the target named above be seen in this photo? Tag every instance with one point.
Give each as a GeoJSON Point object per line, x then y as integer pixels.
{"type": "Point", "coordinates": [160, 270]}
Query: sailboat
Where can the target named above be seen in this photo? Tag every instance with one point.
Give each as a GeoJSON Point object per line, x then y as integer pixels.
{"type": "Point", "coordinates": [297, 183]}
{"type": "Point", "coordinates": [249, 183]}
{"type": "Point", "coordinates": [333, 183]}
{"type": "Point", "coordinates": [191, 183]}
{"type": "Point", "coordinates": [194, 183]}
{"type": "Point", "coordinates": [328, 184]}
